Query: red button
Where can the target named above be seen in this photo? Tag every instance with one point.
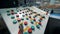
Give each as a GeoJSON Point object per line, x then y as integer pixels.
{"type": "Point", "coordinates": [34, 19]}
{"type": "Point", "coordinates": [25, 23]}
{"type": "Point", "coordinates": [30, 30]}
{"type": "Point", "coordinates": [17, 15]}
{"type": "Point", "coordinates": [18, 19]}
{"type": "Point", "coordinates": [39, 23]}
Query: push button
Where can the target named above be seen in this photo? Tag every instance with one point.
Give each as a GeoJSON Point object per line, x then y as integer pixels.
{"type": "Point", "coordinates": [30, 30]}
{"type": "Point", "coordinates": [25, 23]}
{"type": "Point", "coordinates": [12, 17]}
{"type": "Point", "coordinates": [32, 27]}
{"type": "Point", "coordinates": [14, 21]}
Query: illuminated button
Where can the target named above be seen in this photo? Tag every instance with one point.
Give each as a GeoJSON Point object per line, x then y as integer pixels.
{"type": "Point", "coordinates": [34, 16]}
{"type": "Point", "coordinates": [30, 30]}
{"type": "Point", "coordinates": [12, 17]}
{"type": "Point", "coordinates": [25, 33]}
{"type": "Point", "coordinates": [25, 23]}
{"type": "Point", "coordinates": [14, 21]}
{"type": "Point", "coordinates": [38, 14]}
{"type": "Point", "coordinates": [8, 14]}
{"type": "Point", "coordinates": [38, 26]}
{"type": "Point", "coordinates": [32, 27]}
{"type": "Point", "coordinates": [17, 15]}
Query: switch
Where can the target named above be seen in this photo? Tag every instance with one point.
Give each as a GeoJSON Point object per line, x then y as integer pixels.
{"type": "Point", "coordinates": [14, 21]}
{"type": "Point", "coordinates": [38, 26]}
{"type": "Point", "coordinates": [25, 23]}
{"type": "Point", "coordinates": [30, 30]}
{"type": "Point", "coordinates": [32, 27]}
{"type": "Point", "coordinates": [17, 15]}
{"type": "Point", "coordinates": [12, 17]}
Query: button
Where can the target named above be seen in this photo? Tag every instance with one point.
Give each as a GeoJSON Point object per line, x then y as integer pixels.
{"type": "Point", "coordinates": [38, 26]}
{"type": "Point", "coordinates": [12, 13]}
{"type": "Point", "coordinates": [8, 14]}
{"type": "Point", "coordinates": [14, 21]}
{"type": "Point", "coordinates": [12, 17]}
{"type": "Point", "coordinates": [30, 30]}
{"type": "Point", "coordinates": [34, 19]}
{"type": "Point", "coordinates": [39, 23]}
{"type": "Point", "coordinates": [32, 22]}
{"type": "Point", "coordinates": [27, 19]}
{"type": "Point", "coordinates": [22, 18]}
{"type": "Point", "coordinates": [43, 16]}
{"type": "Point", "coordinates": [25, 33]}
{"type": "Point", "coordinates": [22, 12]}
{"type": "Point", "coordinates": [40, 20]}
{"type": "Point", "coordinates": [8, 11]}
{"type": "Point", "coordinates": [23, 15]}
{"type": "Point", "coordinates": [17, 15]}
{"type": "Point", "coordinates": [25, 23]}
{"type": "Point", "coordinates": [29, 16]}
{"type": "Point", "coordinates": [32, 27]}
{"type": "Point", "coordinates": [12, 10]}
{"type": "Point", "coordinates": [18, 19]}
{"type": "Point", "coordinates": [26, 14]}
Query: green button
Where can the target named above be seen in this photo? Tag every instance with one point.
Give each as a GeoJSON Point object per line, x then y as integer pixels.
{"type": "Point", "coordinates": [25, 32]}
{"type": "Point", "coordinates": [32, 22]}
{"type": "Point", "coordinates": [12, 17]}
{"type": "Point", "coordinates": [27, 19]}
{"type": "Point", "coordinates": [8, 11]}
{"type": "Point", "coordinates": [22, 19]}
{"type": "Point", "coordinates": [38, 26]}
{"type": "Point", "coordinates": [14, 21]}
{"type": "Point", "coordinates": [32, 27]}
{"type": "Point", "coordinates": [8, 14]}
